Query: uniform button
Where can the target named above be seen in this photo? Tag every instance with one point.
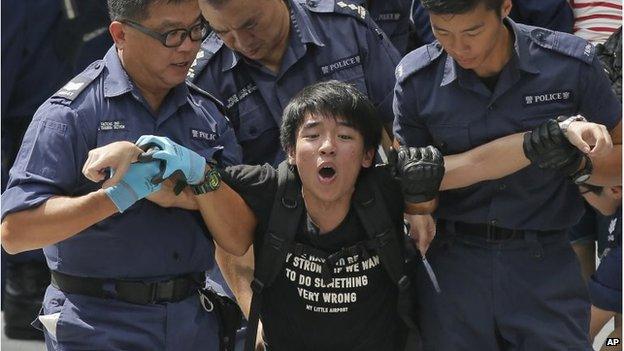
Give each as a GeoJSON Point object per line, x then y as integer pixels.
{"type": "Point", "coordinates": [492, 107]}
{"type": "Point", "coordinates": [312, 3]}
{"type": "Point", "coordinates": [502, 187]}
{"type": "Point", "coordinates": [493, 222]}
{"type": "Point", "coordinates": [176, 256]}
{"type": "Point", "coordinates": [97, 66]}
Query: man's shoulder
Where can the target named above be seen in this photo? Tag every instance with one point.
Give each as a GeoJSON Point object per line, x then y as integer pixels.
{"type": "Point", "coordinates": [79, 85]}
{"type": "Point", "coordinates": [549, 42]}
{"type": "Point", "coordinates": [197, 92]}
{"type": "Point", "coordinates": [341, 10]}
{"type": "Point", "coordinates": [419, 60]}
{"type": "Point", "coordinates": [210, 48]}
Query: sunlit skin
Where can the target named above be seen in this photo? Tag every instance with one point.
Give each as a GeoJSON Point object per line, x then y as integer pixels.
{"type": "Point", "coordinates": [257, 29]}
{"type": "Point", "coordinates": [328, 142]}
{"type": "Point", "coordinates": [477, 40]}
{"type": "Point", "coordinates": [154, 68]}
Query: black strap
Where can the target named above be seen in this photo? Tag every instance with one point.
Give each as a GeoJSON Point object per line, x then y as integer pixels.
{"type": "Point", "coordinates": [285, 216]}
{"type": "Point", "coordinates": [137, 292]}
{"type": "Point", "coordinates": [373, 213]}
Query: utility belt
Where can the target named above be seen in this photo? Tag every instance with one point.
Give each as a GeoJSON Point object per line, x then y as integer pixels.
{"type": "Point", "coordinates": [173, 290]}
{"type": "Point", "coordinates": [491, 232]}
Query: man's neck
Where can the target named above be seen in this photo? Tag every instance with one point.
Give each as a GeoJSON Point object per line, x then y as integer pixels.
{"type": "Point", "coordinates": [327, 215]}
{"type": "Point", "coordinates": [273, 62]}
{"type": "Point", "coordinates": [499, 56]}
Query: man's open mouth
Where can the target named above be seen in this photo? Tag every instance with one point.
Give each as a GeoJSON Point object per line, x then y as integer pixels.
{"type": "Point", "coordinates": [327, 172]}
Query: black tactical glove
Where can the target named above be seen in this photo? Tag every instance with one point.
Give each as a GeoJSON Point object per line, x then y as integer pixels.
{"type": "Point", "coordinates": [548, 148]}
{"type": "Point", "coordinates": [419, 170]}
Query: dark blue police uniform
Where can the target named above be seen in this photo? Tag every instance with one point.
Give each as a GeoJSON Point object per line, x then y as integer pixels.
{"type": "Point", "coordinates": [146, 242]}
{"type": "Point", "coordinates": [329, 40]}
{"type": "Point", "coordinates": [605, 285]}
{"type": "Point", "coordinates": [525, 291]}
{"type": "Point", "coordinates": [393, 17]}
{"type": "Point", "coordinates": [422, 27]}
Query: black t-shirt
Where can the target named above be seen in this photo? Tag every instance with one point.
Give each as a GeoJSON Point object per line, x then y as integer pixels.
{"type": "Point", "coordinates": [356, 308]}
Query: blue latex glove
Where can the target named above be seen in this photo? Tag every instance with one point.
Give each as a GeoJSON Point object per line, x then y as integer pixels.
{"type": "Point", "coordinates": [176, 158]}
{"type": "Point", "coordinates": [135, 185]}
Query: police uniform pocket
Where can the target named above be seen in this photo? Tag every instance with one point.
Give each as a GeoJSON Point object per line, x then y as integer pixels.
{"type": "Point", "coordinates": [451, 139]}
{"type": "Point", "coordinates": [51, 311]}
{"type": "Point", "coordinates": [533, 120]}
{"type": "Point", "coordinates": [254, 123]}
{"type": "Point", "coordinates": [348, 70]}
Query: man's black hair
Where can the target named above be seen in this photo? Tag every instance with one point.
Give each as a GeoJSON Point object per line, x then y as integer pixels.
{"type": "Point", "coordinates": [136, 10]}
{"type": "Point", "coordinates": [331, 99]}
{"type": "Point", "coordinates": [458, 7]}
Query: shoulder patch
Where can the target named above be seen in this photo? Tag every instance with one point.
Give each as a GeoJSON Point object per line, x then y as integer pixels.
{"type": "Point", "coordinates": [73, 88]}
{"type": "Point", "coordinates": [207, 95]}
{"type": "Point", "coordinates": [417, 60]}
{"type": "Point", "coordinates": [208, 49]}
{"type": "Point", "coordinates": [564, 43]}
{"type": "Point", "coordinates": [344, 7]}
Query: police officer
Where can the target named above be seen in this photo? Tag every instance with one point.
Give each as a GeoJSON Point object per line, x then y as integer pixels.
{"type": "Point", "coordinates": [501, 243]}
{"type": "Point", "coordinates": [125, 270]}
{"type": "Point", "coordinates": [261, 54]}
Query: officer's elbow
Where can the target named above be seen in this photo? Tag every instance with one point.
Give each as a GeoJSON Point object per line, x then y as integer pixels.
{"type": "Point", "coordinates": [11, 236]}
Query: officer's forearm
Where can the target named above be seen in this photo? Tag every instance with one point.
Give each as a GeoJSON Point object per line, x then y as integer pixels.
{"type": "Point", "coordinates": [607, 171]}
{"type": "Point", "coordinates": [228, 218]}
{"type": "Point", "coordinates": [57, 219]}
{"type": "Point", "coordinates": [493, 160]}
{"type": "Point", "coordinates": [238, 273]}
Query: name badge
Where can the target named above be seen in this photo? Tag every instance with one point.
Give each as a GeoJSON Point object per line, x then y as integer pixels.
{"type": "Point", "coordinates": [341, 64]}
{"type": "Point", "coordinates": [112, 125]}
{"type": "Point", "coordinates": [243, 93]}
{"type": "Point", "coordinates": [547, 98]}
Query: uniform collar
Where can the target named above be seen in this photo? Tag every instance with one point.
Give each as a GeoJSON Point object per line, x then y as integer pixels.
{"type": "Point", "coordinates": [300, 24]}
{"type": "Point", "coordinates": [521, 58]}
{"type": "Point", "coordinates": [118, 82]}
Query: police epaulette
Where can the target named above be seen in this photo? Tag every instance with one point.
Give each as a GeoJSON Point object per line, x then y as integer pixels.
{"type": "Point", "coordinates": [211, 97]}
{"type": "Point", "coordinates": [417, 60]}
{"type": "Point", "coordinates": [341, 7]}
{"type": "Point", "coordinates": [564, 43]}
{"type": "Point", "coordinates": [208, 48]}
{"type": "Point", "coordinates": [79, 83]}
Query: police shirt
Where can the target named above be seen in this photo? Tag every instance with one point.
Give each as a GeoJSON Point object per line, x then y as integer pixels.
{"type": "Point", "coordinates": [98, 107]}
{"type": "Point", "coordinates": [393, 17]}
{"type": "Point", "coordinates": [549, 74]}
{"type": "Point", "coordinates": [328, 40]}
{"type": "Point", "coordinates": [356, 308]}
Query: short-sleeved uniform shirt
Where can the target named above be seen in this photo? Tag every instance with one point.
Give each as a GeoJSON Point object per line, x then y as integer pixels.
{"type": "Point", "coordinates": [356, 308]}
{"type": "Point", "coordinates": [328, 40]}
{"type": "Point", "coordinates": [549, 74]}
{"type": "Point", "coordinates": [98, 107]}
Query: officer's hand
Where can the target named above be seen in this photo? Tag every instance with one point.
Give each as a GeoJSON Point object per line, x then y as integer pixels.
{"type": "Point", "coordinates": [260, 344]}
{"type": "Point", "coordinates": [135, 185]}
{"type": "Point", "coordinates": [422, 231]}
{"type": "Point", "coordinates": [118, 156]}
{"type": "Point", "coordinates": [420, 171]}
{"type": "Point", "coordinates": [190, 164]}
{"type": "Point", "coordinates": [592, 139]}
{"type": "Point", "coordinates": [548, 148]}
{"type": "Point", "coordinates": [166, 197]}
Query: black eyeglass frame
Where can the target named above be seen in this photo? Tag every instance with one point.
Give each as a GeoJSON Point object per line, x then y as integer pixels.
{"type": "Point", "coordinates": [162, 37]}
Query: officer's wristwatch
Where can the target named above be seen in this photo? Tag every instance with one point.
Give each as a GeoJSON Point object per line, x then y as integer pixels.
{"type": "Point", "coordinates": [211, 182]}
{"type": "Point", "coordinates": [565, 121]}
{"type": "Point", "coordinates": [582, 175]}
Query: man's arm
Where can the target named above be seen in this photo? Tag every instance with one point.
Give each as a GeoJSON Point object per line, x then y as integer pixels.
{"type": "Point", "coordinates": [607, 171]}
{"type": "Point", "coordinates": [54, 221]}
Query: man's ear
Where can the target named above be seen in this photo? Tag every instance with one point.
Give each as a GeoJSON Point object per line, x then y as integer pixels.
{"type": "Point", "coordinates": [506, 8]}
{"type": "Point", "coordinates": [615, 192]}
{"type": "Point", "coordinates": [116, 30]}
{"type": "Point", "coordinates": [368, 158]}
{"type": "Point", "coordinates": [291, 157]}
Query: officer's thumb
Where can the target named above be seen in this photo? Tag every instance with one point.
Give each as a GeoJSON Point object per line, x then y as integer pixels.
{"type": "Point", "coordinates": [116, 175]}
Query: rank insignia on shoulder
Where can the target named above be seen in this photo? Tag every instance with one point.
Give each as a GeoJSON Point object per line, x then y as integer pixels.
{"type": "Point", "coordinates": [361, 11]}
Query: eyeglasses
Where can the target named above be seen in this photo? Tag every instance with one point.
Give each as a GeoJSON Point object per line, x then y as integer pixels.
{"type": "Point", "coordinates": [175, 37]}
